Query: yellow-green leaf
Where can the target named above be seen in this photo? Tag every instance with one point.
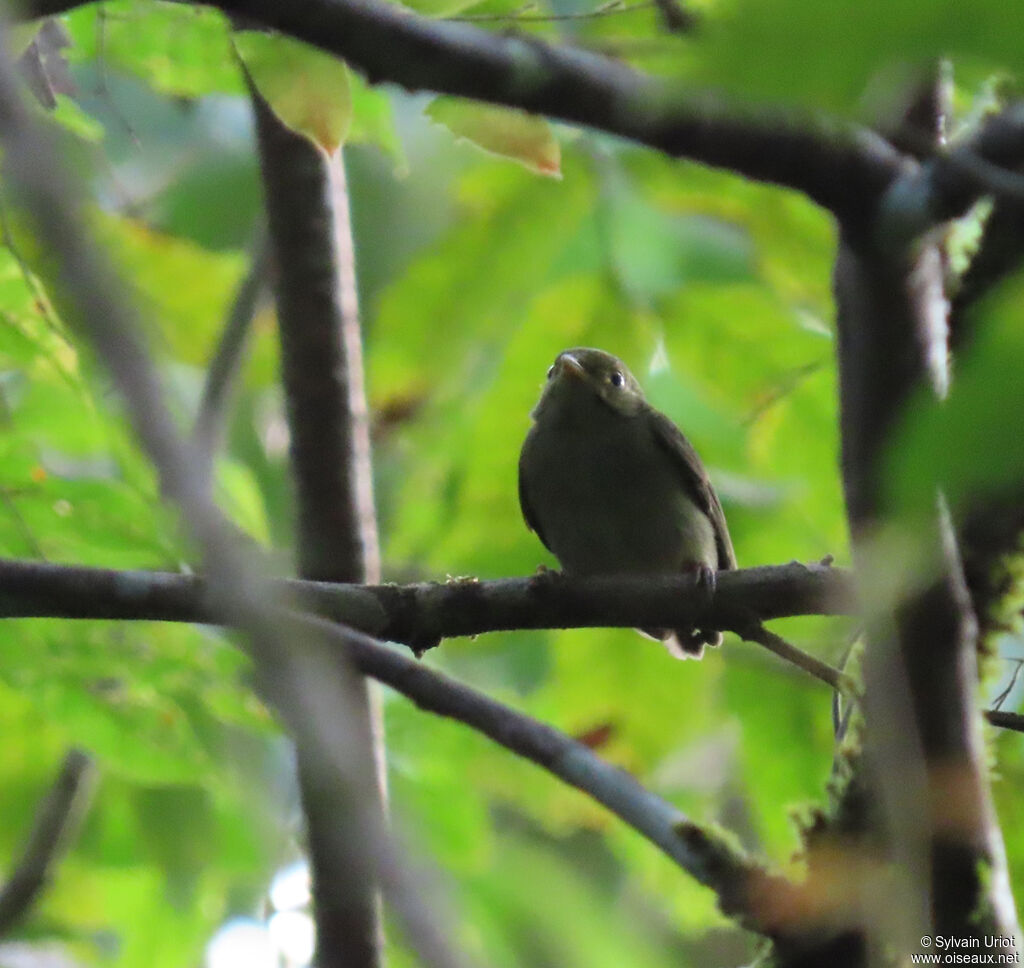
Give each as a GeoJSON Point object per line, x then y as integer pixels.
{"type": "Point", "coordinates": [307, 89]}
{"type": "Point", "coordinates": [514, 134]}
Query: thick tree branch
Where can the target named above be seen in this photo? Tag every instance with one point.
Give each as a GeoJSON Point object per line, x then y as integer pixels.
{"type": "Point", "coordinates": [843, 168]}
{"type": "Point", "coordinates": [423, 614]}
{"type": "Point", "coordinates": [336, 535]}
{"type": "Point", "coordinates": [920, 666]}
{"type": "Point", "coordinates": [840, 167]}
{"type": "Point", "coordinates": [55, 825]}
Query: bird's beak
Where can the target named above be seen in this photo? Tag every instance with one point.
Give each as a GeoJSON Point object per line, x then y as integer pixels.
{"type": "Point", "coordinates": [571, 367]}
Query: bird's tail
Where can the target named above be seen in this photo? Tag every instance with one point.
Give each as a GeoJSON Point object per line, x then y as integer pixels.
{"type": "Point", "coordinates": [685, 643]}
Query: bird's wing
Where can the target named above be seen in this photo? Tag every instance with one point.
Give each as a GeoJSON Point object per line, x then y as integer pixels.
{"type": "Point", "coordinates": [524, 500]}
{"type": "Point", "coordinates": [695, 480]}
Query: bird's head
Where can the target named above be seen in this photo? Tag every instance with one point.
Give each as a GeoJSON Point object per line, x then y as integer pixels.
{"type": "Point", "coordinates": [581, 375]}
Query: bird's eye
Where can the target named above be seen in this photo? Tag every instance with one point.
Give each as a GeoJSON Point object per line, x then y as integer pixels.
{"type": "Point", "coordinates": [615, 378]}
{"type": "Point", "coordinates": [551, 371]}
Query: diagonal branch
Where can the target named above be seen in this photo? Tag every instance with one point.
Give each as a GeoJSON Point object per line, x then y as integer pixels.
{"type": "Point", "coordinates": [742, 885]}
{"type": "Point", "coordinates": [222, 374]}
{"type": "Point", "coordinates": [840, 166]}
{"type": "Point", "coordinates": [55, 825]}
{"type": "Point", "coordinates": [844, 168]}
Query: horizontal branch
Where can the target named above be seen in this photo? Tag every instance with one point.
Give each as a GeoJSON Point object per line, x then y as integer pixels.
{"type": "Point", "coordinates": [421, 615]}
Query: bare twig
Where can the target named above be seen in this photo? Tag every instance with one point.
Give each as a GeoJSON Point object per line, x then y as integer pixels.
{"type": "Point", "coordinates": [524, 15]}
{"type": "Point", "coordinates": [786, 386]}
{"type": "Point", "coordinates": [55, 825]}
{"type": "Point", "coordinates": [756, 632]}
{"type": "Point", "coordinates": [27, 535]}
{"type": "Point", "coordinates": [227, 360]}
{"type": "Point", "coordinates": [1001, 698]}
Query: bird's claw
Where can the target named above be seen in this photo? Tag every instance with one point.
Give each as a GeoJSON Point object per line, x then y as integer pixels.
{"type": "Point", "coordinates": [544, 575]}
{"type": "Point", "coordinates": [705, 580]}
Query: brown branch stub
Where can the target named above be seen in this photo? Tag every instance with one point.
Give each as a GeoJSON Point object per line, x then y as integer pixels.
{"type": "Point", "coordinates": [1005, 720]}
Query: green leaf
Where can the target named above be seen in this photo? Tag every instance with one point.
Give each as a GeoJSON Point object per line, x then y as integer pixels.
{"type": "Point", "coordinates": [510, 133]}
{"type": "Point", "coordinates": [307, 89]}
{"type": "Point", "coordinates": [969, 444]}
{"type": "Point", "coordinates": [850, 56]}
{"type": "Point", "coordinates": [373, 121]}
{"type": "Point", "coordinates": [180, 49]}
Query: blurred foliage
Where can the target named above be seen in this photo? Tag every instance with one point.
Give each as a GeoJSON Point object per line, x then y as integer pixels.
{"type": "Point", "coordinates": [474, 274]}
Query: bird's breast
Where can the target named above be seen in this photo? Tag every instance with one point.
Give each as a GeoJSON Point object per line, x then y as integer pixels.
{"type": "Point", "coordinates": [609, 499]}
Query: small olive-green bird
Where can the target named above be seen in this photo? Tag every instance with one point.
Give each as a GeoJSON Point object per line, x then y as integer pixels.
{"type": "Point", "coordinates": [611, 486]}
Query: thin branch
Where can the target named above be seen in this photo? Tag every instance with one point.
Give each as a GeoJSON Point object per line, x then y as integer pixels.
{"type": "Point", "coordinates": [610, 9]}
{"type": "Point", "coordinates": [1002, 697]}
{"type": "Point", "coordinates": [56, 823]}
{"type": "Point", "coordinates": [789, 383]}
{"type": "Point", "coordinates": [756, 632]}
{"type": "Point", "coordinates": [21, 525]}
{"type": "Point", "coordinates": [227, 360]}
{"type": "Point", "coordinates": [31, 282]}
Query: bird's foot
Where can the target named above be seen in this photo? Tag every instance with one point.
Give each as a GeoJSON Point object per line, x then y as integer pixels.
{"type": "Point", "coordinates": [705, 579]}
{"type": "Point", "coordinates": [545, 576]}
{"type": "Point", "coordinates": [692, 641]}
